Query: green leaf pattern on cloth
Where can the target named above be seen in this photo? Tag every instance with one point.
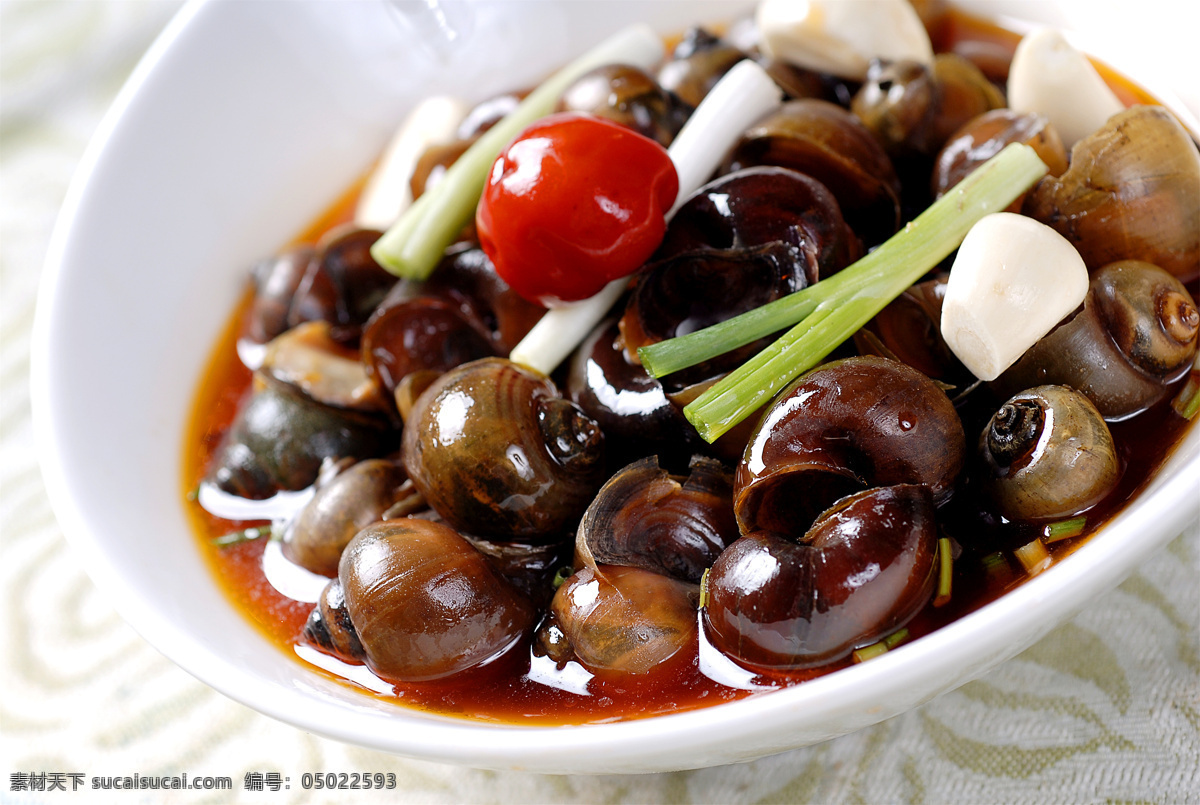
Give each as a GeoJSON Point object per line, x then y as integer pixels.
{"type": "Point", "coordinates": [1105, 708]}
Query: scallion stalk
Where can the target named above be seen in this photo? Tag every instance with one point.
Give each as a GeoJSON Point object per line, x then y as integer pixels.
{"type": "Point", "coordinates": [414, 245]}
{"type": "Point", "coordinates": [1187, 401]}
{"type": "Point", "coordinates": [244, 535]}
{"type": "Point", "coordinates": [1033, 557]}
{"type": "Point", "coordinates": [1064, 529]}
{"type": "Point", "coordinates": [870, 652]}
{"type": "Point", "coordinates": [895, 638]}
{"type": "Point", "coordinates": [827, 313]}
{"type": "Point", "coordinates": [945, 572]}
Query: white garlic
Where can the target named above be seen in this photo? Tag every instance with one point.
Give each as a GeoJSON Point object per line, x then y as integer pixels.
{"type": "Point", "coordinates": [842, 36]}
{"type": "Point", "coordinates": [1013, 280]}
{"type": "Point", "coordinates": [1050, 77]}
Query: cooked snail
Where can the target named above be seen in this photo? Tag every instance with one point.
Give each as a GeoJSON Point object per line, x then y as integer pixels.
{"type": "Point", "coordinates": [631, 407]}
{"type": "Point", "coordinates": [914, 109]}
{"type": "Point", "coordinates": [629, 96]}
{"type": "Point", "coordinates": [697, 64]}
{"type": "Point", "coordinates": [329, 629]}
{"type": "Point", "coordinates": [280, 437]}
{"type": "Point", "coordinates": [498, 454]}
{"type": "Point", "coordinates": [1130, 194]}
{"type": "Point", "coordinates": [983, 137]}
{"type": "Point", "coordinates": [624, 618]}
{"type": "Point", "coordinates": [463, 312]}
{"type": "Point", "coordinates": [854, 423]}
{"type": "Point", "coordinates": [424, 603]}
{"type": "Point", "coordinates": [828, 143]}
{"type": "Point", "coordinates": [1048, 455]}
{"type": "Point", "coordinates": [343, 283]}
{"type": "Point", "coordinates": [863, 570]}
{"type": "Point", "coordinates": [670, 525]}
{"type": "Point", "coordinates": [1134, 338]}
{"type": "Point", "coordinates": [353, 499]}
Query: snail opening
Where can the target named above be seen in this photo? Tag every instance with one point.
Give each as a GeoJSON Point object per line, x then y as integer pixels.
{"type": "Point", "coordinates": [791, 503]}
{"type": "Point", "coordinates": [1014, 432]}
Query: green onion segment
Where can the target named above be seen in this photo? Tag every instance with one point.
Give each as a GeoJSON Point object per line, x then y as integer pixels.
{"type": "Point", "coordinates": [824, 315]}
{"type": "Point", "coordinates": [945, 572]}
{"type": "Point", "coordinates": [1064, 529]}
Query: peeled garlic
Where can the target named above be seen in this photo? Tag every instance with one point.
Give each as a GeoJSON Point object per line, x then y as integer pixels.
{"type": "Point", "coordinates": [1013, 280]}
{"type": "Point", "coordinates": [1050, 77]}
{"type": "Point", "coordinates": [842, 36]}
{"type": "Point", "coordinates": [387, 194]}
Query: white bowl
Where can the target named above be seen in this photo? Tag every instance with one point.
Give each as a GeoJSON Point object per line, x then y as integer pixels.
{"type": "Point", "coordinates": [241, 124]}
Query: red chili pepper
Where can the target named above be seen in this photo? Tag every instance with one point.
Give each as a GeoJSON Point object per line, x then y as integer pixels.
{"type": "Point", "coordinates": [573, 203]}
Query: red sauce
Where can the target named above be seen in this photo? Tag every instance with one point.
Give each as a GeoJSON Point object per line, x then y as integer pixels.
{"type": "Point", "coordinates": [504, 690]}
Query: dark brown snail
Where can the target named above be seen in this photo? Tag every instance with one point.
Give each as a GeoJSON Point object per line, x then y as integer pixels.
{"type": "Point", "coordinates": [424, 603]}
{"type": "Point", "coordinates": [787, 596]}
{"type": "Point", "coordinates": [828, 143]}
{"type": "Point", "coordinates": [631, 407]}
{"type": "Point", "coordinates": [909, 330]}
{"type": "Point", "coordinates": [1048, 455]}
{"type": "Point", "coordinates": [740, 241]}
{"type": "Point", "coordinates": [494, 450]}
{"type": "Point", "coordinates": [697, 64]}
{"type": "Point", "coordinates": [762, 205]}
{"type": "Point", "coordinates": [624, 618]}
{"type": "Point", "coordinates": [1130, 194]}
{"type": "Point", "coordinates": [983, 137]}
{"type": "Point", "coordinates": [352, 500]}
{"type": "Point", "coordinates": [1134, 338]}
{"type": "Point", "coordinates": [862, 571]}
{"type": "Point", "coordinates": [671, 525]}
{"type": "Point", "coordinates": [464, 311]}
{"type": "Point", "coordinates": [275, 282]}
{"type": "Point", "coordinates": [913, 109]}
{"type": "Point", "coordinates": [855, 423]}
{"type": "Point", "coordinates": [629, 96]}
{"type": "Point", "coordinates": [308, 357]}
{"type": "Point", "coordinates": [280, 437]}
{"type": "Point", "coordinates": [329, 629]}
{"type": "Point", "coordinates": [343, 283]}
{"type": "Point", "coordinates": [697, 289]}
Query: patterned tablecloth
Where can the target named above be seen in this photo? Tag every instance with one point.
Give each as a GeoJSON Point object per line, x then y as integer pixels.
{"type": "Point", "coordinates": [1106, 708]}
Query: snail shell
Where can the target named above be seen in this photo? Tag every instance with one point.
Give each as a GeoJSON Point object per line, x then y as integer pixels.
{"type": "Point", "coordinates": [498, 454]}
{"type": "Point", "coordinates": [863, 570]}
{"type": "Point", "coordinates": [914, 109]}
{"type": "Point", "coordinates": [849, 424]}
{"type": "Point", "coordinates": [280, 437]}
{"type": "Point", "coordinates": [1048, 455]}
{"type": "Point", "coordinates": [1129, 194]}
{"type": "Point", "coordinates": [624, 618]}
{"type": "Point", "coordinates": [1135, 336]}
{"type": "Point", "coordinates": [822, 140]}
{"type": "Point", "coordinates": [644, 517]}
{"type": "Point", "coordinates": [424, 603]}
{"type": "Point", "coordinates": [353, 499]}
{"type": "Point", "coordinates": [329, 629]}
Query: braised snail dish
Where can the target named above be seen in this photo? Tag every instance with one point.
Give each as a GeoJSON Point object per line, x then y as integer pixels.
{"type": "Point", "coordinates": [705, 367]}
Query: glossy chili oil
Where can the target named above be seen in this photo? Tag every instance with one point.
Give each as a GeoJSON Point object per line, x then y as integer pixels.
{"type": "Point", "coordinates": [521, 688]}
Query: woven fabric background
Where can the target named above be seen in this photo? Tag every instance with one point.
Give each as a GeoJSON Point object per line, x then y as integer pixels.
{"type": "Point", "coordinates": [1105, 709]}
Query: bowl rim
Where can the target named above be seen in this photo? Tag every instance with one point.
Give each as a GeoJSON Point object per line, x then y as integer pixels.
{"type": "Point", "coordinates": [748, 728]}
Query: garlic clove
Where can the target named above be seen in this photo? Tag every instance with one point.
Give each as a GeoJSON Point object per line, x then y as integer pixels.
{"type": "Point", "coordinates": [387, 194]}
{"type": "Point", "coordinates": [842, 36]}
{"type": "Point", "coordinates": [1013, 280]}
{"type": "Point", "coordinates": [1050, 77]}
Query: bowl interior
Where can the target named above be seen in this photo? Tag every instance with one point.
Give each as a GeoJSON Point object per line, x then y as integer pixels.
{"type": "Point", "coordinates": [244, 122]}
